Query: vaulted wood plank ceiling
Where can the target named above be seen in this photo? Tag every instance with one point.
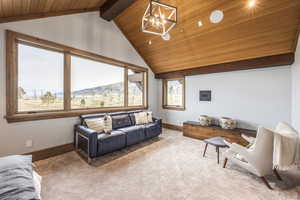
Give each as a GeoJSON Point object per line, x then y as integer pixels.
{"type": "Point", "coordinates": [14, 10]}
{"type": "Point", "coordinates": [271, 27]}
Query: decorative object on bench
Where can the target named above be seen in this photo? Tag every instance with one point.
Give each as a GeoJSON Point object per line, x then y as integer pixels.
{"type": "Point", "coordinates": [258, 159]}
{"type": "Point", "coordinates": [205, 120]}
{"type": "Point", "coordinates": [127, 130]}
{"type": "Point", "coordinates": [17, 178]}
{"type": "Point", "coordinates": [227, 123]}
{"type": "Point", "coordinates": [195, 130]}
{"type": "Point", "coordinates": [218, 142]}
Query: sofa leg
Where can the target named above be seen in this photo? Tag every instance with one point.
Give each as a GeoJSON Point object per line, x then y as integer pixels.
{"type": "Point", "coordinates": [266, 182]}
{"type": "Point", "coordinates": [225, 162]}
{"type": "Point", "coordinates": [277, 174]}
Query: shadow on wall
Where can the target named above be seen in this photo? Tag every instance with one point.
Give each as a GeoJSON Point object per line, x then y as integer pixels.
{"type": "Point", "coordinates": [247, 125]}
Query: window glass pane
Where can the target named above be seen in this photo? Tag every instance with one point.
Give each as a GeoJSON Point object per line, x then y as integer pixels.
{"type": "Point", "coordinates": [40, 79]}
{"type": "Point", "coordinates": [174, 89]}
{"type": "Point", "coordinates": [95, 84]}
{"type": "Point", "coordinates": [135, 88]}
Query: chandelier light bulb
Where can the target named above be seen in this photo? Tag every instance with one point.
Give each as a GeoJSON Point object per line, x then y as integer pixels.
{"type": "Point", "coordinates": [251, 3]}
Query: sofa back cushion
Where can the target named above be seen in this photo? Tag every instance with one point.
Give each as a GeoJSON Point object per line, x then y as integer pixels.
{"type": "Point", "coordinates": [121, 121]}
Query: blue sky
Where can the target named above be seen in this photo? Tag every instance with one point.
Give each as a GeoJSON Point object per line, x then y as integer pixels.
{"type": "Point", "coordinates": [42, 70]}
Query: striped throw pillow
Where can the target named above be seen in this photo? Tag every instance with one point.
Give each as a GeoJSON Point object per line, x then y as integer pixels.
{"type": "Point", "coordinates": [141, 118]}
{"type": "Point", "coordinates": [96, 124]}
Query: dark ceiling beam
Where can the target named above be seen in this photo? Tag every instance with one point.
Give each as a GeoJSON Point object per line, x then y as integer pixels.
{"type": "Point", "coordinates": [112, 8]}
{"type": "Point", "coordinates": [268, 61]}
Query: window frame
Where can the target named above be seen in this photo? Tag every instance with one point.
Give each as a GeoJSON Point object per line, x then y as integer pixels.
{"type": "Point", "coordinates": [165, 94]}
{"type": "Point", "coordinates": [12, 113]}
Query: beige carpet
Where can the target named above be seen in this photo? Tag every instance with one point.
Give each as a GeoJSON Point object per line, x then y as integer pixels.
{"type": "Point", "coordinates": [168, 168]}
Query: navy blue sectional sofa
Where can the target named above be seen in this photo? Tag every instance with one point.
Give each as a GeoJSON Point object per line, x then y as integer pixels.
{"type": "Point", "coordinates": [125, 133]}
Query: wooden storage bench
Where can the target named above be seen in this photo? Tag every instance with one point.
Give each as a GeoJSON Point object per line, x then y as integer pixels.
{"type": "Point", "coordinates": [195, 130]}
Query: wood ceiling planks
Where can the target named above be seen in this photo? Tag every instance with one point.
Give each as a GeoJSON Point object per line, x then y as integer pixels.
{"type": "Point", "coordinates": [15, 10]}
{"type": "Point", "coordinates": [269, 28]}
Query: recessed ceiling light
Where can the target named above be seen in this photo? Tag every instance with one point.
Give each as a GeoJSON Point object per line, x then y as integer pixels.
{"type": "Point", "coordinates": [216, 16]}
{"type": "Point", "coordinates": [251, 3]}
{"type": "Point", "coordinates": [150, 42]}
{"type": "Point", "coordinates": [200, 23]}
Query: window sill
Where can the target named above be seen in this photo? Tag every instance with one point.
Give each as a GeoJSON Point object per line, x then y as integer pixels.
{"type": "Point", "coordinates": [179, 108]}
{"type": "Point", "coordinates": [63, 114]}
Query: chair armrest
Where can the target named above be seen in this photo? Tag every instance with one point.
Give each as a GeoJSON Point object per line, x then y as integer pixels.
{"type": "Point", "coordinates": [248, 138]}
{"type": "Point", "coordinates": [91, 136]}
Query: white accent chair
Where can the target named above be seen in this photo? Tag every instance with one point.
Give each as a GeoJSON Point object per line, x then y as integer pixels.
{"type": "Point", "coordinates": [258, 159]}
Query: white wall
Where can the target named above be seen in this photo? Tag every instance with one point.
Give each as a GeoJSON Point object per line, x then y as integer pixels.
{"type": "Point", "coordinates": [254, 97]}
{"type": "Point", "coordinates": [296, 90]}
{"type": "Point", "coordinates": [84, 31]}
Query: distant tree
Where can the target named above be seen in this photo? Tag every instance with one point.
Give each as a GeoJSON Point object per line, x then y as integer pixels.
{"type": "Point", "coordinates": [21, 92]}
{"type": "Point", "coordinates": [82, 102]}
{"type": "Point", "coordinates": [102, 103]}
{"type": "Point", "coordinates": [48, 98]}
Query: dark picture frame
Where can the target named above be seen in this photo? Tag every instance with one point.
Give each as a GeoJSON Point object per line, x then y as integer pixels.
{"type": "Point", "coordinates": [205, 95]}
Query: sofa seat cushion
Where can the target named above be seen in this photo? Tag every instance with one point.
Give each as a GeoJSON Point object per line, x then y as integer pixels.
{"type": "Point", "coordinates": [121, 121]}
{"type": "Point", "coordinates": [152, 130]}
{"type": "Point", "coordinates": [111, 142]}
{"type": "Point", "coordinates": [134, 134]}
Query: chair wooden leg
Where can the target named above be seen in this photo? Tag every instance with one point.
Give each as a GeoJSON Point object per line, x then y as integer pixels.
{"type": "Point", "coordinates": [266, 182]}
{"type": "Point", "coordinates": [225, 162]}
{"type": "Point", "coordinates": [277, 174]}
{"type": "Point", "coordinates": [218, 152]}
{"type": "Point", "coordinates": [205, 150]}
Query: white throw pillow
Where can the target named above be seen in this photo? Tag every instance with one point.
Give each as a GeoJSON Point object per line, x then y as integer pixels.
{"type": "Point", "coordinates": [141, 118]}
{"type": "Point", "coordinates": [96, 124]}
{"type": "Point", "coordinates": [149, 117]}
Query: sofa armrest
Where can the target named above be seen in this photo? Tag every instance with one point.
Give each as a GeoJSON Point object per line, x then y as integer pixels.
{"type": "Point", "coordinates": [87, 132]}
{"type": "Point", "coordinates": [90, 135]}
{"type": "Point", "coordinates": [158, 121]}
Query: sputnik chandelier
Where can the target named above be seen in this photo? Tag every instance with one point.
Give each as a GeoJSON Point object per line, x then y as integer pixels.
{"type": "Point", "coordinates": [159, 18]}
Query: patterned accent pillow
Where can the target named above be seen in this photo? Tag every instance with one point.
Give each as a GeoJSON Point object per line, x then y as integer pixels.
{"type": "Point", "coordinates": [96, 124]}
{"type": "Point", "coordinates": [149, 117]}
{"type": "Point", "coordinates": [107, 124]}
{"type": "Point", "coordinates": [141, 118]}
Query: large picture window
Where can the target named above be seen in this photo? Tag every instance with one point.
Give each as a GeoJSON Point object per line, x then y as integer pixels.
{"type": "Point", "coordinates": [37, 92]}
{"type": "Point", "coordinates": [96, 84]}
{"type": "Point", "coordinates": [174, 94]}
{"type": "Point", "coordinates": [48, 80]}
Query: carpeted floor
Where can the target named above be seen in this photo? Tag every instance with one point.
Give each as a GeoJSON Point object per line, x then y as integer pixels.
{"type": "Point", "coordinates": [168, 168]}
